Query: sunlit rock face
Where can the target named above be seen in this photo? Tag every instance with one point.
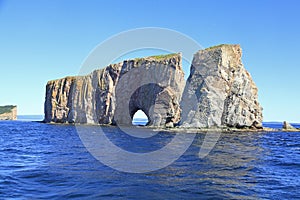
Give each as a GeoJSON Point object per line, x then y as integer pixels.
{"type": "Point", "coordinates": [8, 112]}
{"type": "Point", "coordinates": [113, 94]}
{"type": "Point", "coordinates": [220, 92]}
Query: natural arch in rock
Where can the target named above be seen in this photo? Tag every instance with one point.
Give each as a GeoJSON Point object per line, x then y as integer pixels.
{"type": "Point", "coordinates": [159, 104]}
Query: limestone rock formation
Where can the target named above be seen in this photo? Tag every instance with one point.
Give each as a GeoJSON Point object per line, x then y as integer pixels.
{"type": "Point", "coordinates": [288, 127]}
{"type": "Point", "coordinates": [220, 92]}
{"type": "Point", "coordinates": [113, 94]}
{"type": "Point", "coordinates": [8, 112]}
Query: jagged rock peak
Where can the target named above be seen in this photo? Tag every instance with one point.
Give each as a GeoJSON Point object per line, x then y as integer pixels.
{"type": "Point", "coordinates": [220, 91]}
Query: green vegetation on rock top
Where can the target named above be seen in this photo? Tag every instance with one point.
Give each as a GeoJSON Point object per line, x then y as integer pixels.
{"type": "Point", "coordinates": [166, 56]}
{"type": "Point", "coordinates": [158, 57]}
{"type": "Point", "coordinates": [217, 46]}
{"type": "Point", "coordinates": [6, 109]}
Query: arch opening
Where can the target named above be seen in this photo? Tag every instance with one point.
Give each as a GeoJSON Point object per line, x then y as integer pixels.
{"type": "Point", "coordinates": [140, 118]}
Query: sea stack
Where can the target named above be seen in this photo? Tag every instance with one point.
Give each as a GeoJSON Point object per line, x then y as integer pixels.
{"type": "Point", "coordinates": [220, 91]}
{"type": "Point", "coordinates": [8, 112]}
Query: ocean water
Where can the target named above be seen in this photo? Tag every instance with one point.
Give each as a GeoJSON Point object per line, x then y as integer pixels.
{"type": "Point", "coordinates": [45, 161]}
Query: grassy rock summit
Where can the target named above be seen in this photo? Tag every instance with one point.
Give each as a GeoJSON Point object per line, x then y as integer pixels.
{"type": "Point", "coordinates": [218, 93]}
{"type": "Point", "coordinates": [8, 112]}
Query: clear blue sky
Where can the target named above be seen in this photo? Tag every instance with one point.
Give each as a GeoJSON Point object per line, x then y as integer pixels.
{"type": "Point", "coordinates": [43, 40]}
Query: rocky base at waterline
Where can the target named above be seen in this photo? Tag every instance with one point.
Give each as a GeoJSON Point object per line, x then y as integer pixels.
{"type": "Point", "coordinates": [218, 93]}
{"type": "Point", "coordinates": [8, 112]}
{"type": "Point", "coordinates": [289, 128]}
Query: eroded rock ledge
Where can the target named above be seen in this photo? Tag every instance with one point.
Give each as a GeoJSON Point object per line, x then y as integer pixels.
{"type": "Point", "coordinates": [218, 93]}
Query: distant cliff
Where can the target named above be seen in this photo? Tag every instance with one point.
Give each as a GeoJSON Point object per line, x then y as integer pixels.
{"type": "Point", "coordinates": [8, 112]}
{"type": "Point", "coordinates": [218, 93]}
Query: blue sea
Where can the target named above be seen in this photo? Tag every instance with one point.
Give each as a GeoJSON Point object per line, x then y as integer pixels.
{"type": "Point", "coordinates": [46, 161]}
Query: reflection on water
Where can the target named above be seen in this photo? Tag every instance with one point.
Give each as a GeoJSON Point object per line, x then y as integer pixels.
{"type": "Point", "coordinates": [234, 159]}
{"type": "Point", "coordinates": [42, 161]}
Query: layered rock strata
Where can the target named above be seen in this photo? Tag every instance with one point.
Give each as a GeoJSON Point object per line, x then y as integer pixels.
{"type": "Point", "coordinates": [220, 91]}
{"type": "Point", "coordinates": [113, 94]}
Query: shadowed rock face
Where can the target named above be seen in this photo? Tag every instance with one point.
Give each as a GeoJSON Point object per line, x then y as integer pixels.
{"type": "Point", "coordinates": [220, 92]}
{"type": "Point", "coordinates": [160, 104]}
{"type": "Point", "coordinates": [113, 94]}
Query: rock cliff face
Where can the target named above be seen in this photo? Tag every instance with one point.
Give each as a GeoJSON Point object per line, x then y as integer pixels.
{"type": "Point", "coordinates": [113, 94]}
{"type": "Point", "coordinates": [8, 112]}
{"type": "Point", "coordinates": [220, 92]}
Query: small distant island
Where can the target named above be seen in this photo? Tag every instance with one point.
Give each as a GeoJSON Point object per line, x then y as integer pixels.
{"type": "Point", "coordinates": [8, 112]}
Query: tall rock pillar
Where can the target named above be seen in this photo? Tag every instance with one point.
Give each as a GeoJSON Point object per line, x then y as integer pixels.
{"type": "Point", "coordinates": [220, 91]}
